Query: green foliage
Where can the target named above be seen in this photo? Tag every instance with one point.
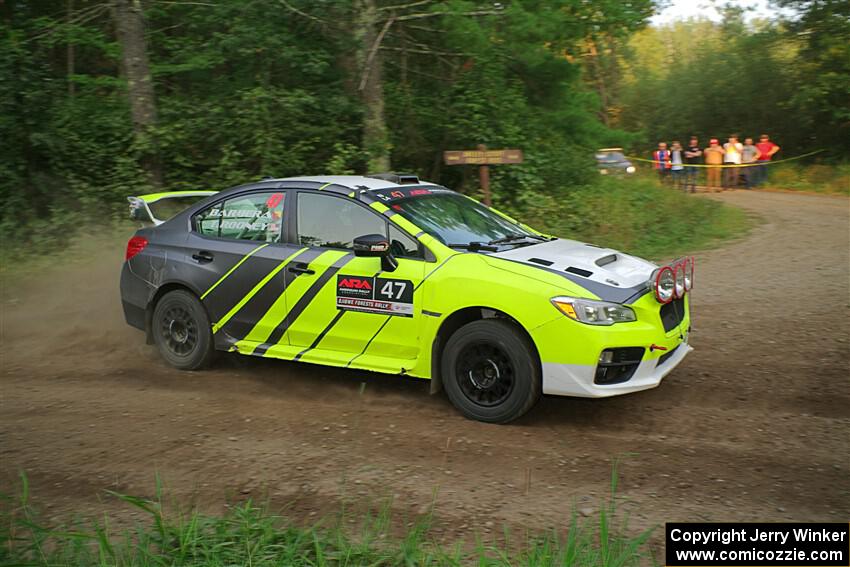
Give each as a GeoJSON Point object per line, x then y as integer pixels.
{"type": "Point", "coordinates": [826, 179]}
{"type": "Point", "coordinates": [635, 215]}
{"type": "Point", "coordinates": [785, 77]}
{"type": "Point", "coordinates": [248, 534]}
{"type": "Point", "coordinates": [248, 88]}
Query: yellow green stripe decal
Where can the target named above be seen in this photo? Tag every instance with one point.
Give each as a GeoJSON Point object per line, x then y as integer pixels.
{"type": "Point", "coordinates": [235, 309]}
{"type": "Point", "coordinates": [233, 269]}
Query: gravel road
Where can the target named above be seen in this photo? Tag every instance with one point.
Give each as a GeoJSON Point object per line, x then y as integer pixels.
{"type": "Point", "coordinates": [754, 425]}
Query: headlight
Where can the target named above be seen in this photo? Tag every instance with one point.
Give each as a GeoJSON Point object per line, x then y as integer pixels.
{"type": "Point", "coordinates": [630, 169]}
{"type": "Point", "coordinates": [593, 312]}
{"type": "Point", "coordinates": [665, 284]}
{"type": "Point", "coordinates": [689, 273]}
{"type": "Point", "coordinates": [679, 279]}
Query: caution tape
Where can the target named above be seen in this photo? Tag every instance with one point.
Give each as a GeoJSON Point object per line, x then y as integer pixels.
{"type": "Point", "coordinates": [654, 161]}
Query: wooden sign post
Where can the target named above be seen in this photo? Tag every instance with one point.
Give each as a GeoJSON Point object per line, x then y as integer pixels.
{"type": "Point", "coordinates": [483, 158]}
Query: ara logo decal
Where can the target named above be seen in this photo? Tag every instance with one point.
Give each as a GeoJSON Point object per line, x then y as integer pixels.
{"type": "Point", "coordinates": [355, 283]}
{"type": "Point", "coordinates": [353, 286]}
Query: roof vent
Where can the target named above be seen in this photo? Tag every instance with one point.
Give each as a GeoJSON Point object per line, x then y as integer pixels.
{"type": "Point", "coordinates": [397, 178]}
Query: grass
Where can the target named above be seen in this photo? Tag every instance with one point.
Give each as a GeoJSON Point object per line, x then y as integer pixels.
{"type": "Point", "coordinates": [638, 216]}
{"type": "Point", "coordinates": [250, 535]}
{"type": "Point", "coordinates": [825, 179]}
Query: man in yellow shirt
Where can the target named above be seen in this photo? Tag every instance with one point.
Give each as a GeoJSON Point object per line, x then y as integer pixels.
{"type": "Point", "coordinates": [732, 157]}
{"type": "Point", "coordinates": [713, 159]}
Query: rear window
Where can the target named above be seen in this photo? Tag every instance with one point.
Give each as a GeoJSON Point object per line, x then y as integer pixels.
{"type": "Point", "coordinates": [257, 216]}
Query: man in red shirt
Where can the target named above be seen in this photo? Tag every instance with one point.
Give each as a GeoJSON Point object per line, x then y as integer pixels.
{"type": "Point", "coordinates": [766, 150]}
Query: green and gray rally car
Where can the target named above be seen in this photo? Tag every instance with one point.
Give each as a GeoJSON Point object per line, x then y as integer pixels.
{"type": "Point", "coordinates": [392, 274]}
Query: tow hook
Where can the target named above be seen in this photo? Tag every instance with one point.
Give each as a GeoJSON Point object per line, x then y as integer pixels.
{"type": "Point", "coordinates": [655, 347]}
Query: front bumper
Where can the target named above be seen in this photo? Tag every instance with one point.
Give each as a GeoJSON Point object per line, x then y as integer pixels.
{"type": "Point", "coordinates": [577, 379]}
{"type": "Point", "coordinates": [570, 351]}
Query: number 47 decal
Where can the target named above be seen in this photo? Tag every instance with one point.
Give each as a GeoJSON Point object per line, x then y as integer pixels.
{"type": "Point", "coordinates": [393, 289]}
{"type": "Point", "coordinates": [397, 291]}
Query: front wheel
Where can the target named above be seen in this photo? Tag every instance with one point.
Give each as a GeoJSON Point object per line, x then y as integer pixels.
{"type": "Point", "coordinates": [182, 332]}
{"type": "Point", "coordinates": [490, 371]}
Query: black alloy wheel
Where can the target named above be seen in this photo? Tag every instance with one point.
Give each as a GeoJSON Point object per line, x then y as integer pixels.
{"type": "Point", "coordinates": [486, 374]}
{"type": "Point", "coordinates": [491, 371]}
{"type": "Point", "coordinates": [182, 331]}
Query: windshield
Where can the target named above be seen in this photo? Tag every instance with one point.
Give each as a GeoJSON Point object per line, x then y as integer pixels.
{"type": "Point", "coordinates": [610, 157]}
{"type": "Point", "coordinates": [454, 219]}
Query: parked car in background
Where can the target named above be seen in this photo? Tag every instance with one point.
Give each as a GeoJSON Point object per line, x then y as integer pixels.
{"type": "Point", "coordinates": [613, 161]}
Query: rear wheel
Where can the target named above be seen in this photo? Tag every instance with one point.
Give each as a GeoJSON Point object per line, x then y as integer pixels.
{"type": "Point", "coordinates": [490, 371]}
{"type": "Point", "coordinates": [182, 332]}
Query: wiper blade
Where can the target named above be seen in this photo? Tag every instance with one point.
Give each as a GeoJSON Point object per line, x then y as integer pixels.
{"type": "Point", "coordinates": [475, 246]}
{"type": "Point", "coordinates": [515, 237]}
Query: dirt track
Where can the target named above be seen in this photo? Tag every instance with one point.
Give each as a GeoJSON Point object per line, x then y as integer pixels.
{"type": "Point", "coordinates": [755, 424]}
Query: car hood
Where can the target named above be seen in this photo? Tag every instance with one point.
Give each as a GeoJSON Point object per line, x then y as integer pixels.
{"type": "Point", "coordinates": [607, 273]}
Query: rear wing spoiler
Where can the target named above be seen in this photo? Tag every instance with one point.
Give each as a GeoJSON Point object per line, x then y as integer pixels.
{"type": "Point", "coordinates": [144, 207]}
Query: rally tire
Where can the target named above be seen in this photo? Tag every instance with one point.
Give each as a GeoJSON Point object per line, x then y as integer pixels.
{"type": "Point", "coordinates": [182, 331]}
{"type": "Point", "coordinates": [490, 371]}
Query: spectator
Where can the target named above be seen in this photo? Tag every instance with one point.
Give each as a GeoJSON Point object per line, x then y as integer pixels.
{"type": "Point", "coordinates": [732, 157]}
{"type": "Point", "coordinates": [692, 157]}
{"type": "Point", "coordinates": [661, 159]}
{"type": "Point", "coordinates": [766, 150]}
{"type": "Point", "coordinates": [677, 171]}
{"type": "Point", "coordinates": [749, 155]}
{"type": "Point", "coordinates": [713, 158]}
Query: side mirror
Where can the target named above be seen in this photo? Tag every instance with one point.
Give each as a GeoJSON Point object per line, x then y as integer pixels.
{"type": "Point", "coordinates": [376, 246]}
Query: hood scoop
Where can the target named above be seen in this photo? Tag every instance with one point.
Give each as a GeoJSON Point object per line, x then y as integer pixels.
{"type": "Point", "coordinates": [579, 272]}
{"type": "Point", "coordinates": [541, 261]}
{"type": "Point", "coordinates": [605, 260]}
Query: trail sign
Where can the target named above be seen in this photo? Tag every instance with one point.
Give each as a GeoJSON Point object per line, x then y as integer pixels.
{"type": "Point", "coordinates": [483, 158]}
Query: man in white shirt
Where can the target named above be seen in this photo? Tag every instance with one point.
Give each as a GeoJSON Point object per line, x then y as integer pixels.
{"type": "Point", "coordinates": [732, 157]}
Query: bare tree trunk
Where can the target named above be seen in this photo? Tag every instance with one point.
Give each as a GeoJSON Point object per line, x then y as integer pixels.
{"type": "Point", "coordinates": [130, 29]}
{"type": "Point", "coordinates": [600, 81]}
{"type": "Point", "coordinates": [70, 57]}
{"type": "Point", "coordinates": [371, 88]}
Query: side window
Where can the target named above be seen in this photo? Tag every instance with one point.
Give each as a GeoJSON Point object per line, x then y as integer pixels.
{"type": "Point", "coordinates": [402, 245]}
{"type": "Point", "coordinates": [329, 221]}
{"type": "Point", "coordinates": [258, 216]}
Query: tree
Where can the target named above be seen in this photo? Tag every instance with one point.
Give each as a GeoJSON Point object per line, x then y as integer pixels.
{"type": "Point", "coordinates": [370, 86]}
{"type": "Point", "coordinates": [130, 30]}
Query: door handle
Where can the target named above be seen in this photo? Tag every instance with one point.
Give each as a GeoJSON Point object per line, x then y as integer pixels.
{"type": "Point", "coordinates": [202, 257]}
{"type": "Point", "coordinates": [301, 268]}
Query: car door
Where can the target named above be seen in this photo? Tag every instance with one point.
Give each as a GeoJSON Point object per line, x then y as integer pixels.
{"type": "Point", "coordinates": [238, 259]}
{"type": "Point", "coordinates": [349, 305]}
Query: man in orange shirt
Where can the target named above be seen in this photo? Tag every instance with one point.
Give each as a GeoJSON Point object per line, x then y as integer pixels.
{"type": "Point", "coordinates": [766, 150]}
{"type": "Point", "coordinates": [713, 158]}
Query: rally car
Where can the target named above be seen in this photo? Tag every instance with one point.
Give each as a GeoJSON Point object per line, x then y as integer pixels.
{"type": "Point", "coordinates": [392, 274]}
